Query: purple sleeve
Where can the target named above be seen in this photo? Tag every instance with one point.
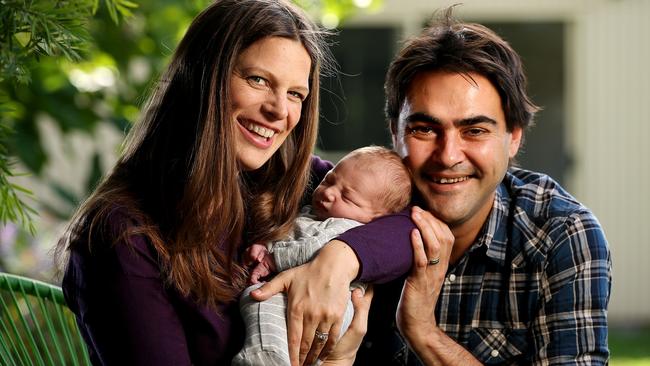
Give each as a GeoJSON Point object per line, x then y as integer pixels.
{"type": "Point", "coordinates": [383, 247]}
{"type": "Point", "coordinates": [123, 310]}
{"type": "Point", "coordinates": [319, 169]}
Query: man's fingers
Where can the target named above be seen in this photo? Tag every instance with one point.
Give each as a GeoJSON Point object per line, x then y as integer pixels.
{"type": "Point", "coordinates": [361, 302]}
{"type": "Point", "coordinates": [419, 254]}
{"type": "Point", "coordinates": [436, 235]}
{"type": "Point", "coordinates": [428, 227]}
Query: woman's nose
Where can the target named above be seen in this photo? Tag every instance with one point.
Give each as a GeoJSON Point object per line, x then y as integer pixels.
{"type": "Point", "coordinates": [275, 107]}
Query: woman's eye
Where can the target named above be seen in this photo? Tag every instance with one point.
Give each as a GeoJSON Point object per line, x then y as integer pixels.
{"type": "Point", "coordinates": [257, 80]}
{"type": "Point", "coordinates": [297, 95]}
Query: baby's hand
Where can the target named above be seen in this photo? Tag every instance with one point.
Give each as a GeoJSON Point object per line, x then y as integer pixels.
{"type": "Point", "coordinates": [258, 256]}
{"type": "Point", "coordinates": [254, 254]}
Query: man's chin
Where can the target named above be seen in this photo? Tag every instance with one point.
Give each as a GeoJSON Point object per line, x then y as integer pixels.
{"type": "Point", "coordinates": [442, 212]}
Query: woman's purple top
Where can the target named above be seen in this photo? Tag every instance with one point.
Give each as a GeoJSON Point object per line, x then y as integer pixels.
{"type": "Point", "coordinates": [128, 316]}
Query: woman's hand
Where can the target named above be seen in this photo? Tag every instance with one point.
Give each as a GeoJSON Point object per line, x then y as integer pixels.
{"type": "Point", "coordinates": [431, 241]}
{"type": "Point", "coordinates": [317, 294]}
{"type": "Point", "coordinates": [347, 347]}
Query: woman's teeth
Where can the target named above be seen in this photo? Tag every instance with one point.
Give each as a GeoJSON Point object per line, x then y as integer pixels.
{"type": "Point", "coordinates": [264, 132]}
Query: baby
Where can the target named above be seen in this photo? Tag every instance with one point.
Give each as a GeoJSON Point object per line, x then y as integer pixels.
{"type": "Point", "coordinates": [367, 183]}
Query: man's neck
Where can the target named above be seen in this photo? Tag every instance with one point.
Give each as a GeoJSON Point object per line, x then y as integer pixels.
{"type": "Point", "coordinates": [465, 234]}
{"type": "Point", "coordinates": [464, 240]}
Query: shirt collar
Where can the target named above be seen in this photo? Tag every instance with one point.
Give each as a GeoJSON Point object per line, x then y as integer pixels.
{"type": "Point", "coordinates": [493, 236]}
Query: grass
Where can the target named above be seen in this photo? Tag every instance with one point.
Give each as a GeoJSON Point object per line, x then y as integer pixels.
{"type": "Point", "coordinates": [629, 347]}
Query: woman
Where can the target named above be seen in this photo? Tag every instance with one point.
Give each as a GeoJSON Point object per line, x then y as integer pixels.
{"type": "Point", "coordinates": [221, 157]}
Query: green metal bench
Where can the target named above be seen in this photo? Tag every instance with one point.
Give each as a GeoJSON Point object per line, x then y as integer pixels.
{"type": "Point", "coordinates": [36, 326]}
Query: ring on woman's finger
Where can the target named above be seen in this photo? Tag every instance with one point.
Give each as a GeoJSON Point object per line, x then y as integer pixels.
{"type": "Point", "coordinates": [433, 261]}
{"type": "Point", "coordinates": [321, 337]}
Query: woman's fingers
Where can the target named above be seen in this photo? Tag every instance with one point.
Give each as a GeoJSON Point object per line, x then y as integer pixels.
{"type": "Point", "coordinates": [294, 335]}
{"type": "Point", "coordinates": [279, 283]}
{"type": "Point", "coordinates": [316, 296]}
{"type": "Point", "coordinates": [325, 338]}
{"type": "Point", "coordinates": [346, 349]}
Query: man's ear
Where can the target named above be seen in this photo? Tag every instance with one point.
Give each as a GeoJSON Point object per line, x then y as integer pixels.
{"type": "Point", "coordinates": [515, 141]}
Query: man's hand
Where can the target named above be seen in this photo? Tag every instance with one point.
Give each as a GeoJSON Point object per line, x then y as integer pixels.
{"type": "Point", "coordinates": [432, 242]}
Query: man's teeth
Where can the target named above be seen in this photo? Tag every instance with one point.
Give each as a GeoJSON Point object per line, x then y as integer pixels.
{"type": "Point", "coordinates": [264, 132]}
{"type": "Point", "coordinates": [450, 180]}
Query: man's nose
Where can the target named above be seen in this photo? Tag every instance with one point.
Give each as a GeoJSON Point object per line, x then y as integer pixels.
{"type": "Point", "coordinates": [449, 151]}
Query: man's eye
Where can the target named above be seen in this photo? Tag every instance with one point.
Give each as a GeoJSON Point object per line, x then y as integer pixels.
{"type": "Point", "coordinates": [420, 130]}
{"type": "Point", "coordinates": [475, 131]}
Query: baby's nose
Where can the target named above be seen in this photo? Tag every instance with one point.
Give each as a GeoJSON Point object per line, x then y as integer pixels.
{"type": "Point", "coordinates": [329, 195]}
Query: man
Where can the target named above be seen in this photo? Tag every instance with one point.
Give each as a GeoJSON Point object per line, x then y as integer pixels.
{"type": "Point", "coordinates": [526, 276]}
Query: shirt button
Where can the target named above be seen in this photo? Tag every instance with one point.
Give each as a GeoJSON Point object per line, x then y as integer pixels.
{"type": "Point", "coordinates": [452, 277]}
{"type": "Point", "coordinates": [494, 353]}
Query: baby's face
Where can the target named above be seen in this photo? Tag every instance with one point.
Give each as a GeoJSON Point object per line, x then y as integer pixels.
{"type": "Point", "coordinates": [349, 192]}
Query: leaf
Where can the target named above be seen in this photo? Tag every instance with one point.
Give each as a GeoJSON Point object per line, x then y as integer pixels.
{"type": "Point", "coordinates": [128, 4]}
{"type": "Point", "coordinates": [23, 38]}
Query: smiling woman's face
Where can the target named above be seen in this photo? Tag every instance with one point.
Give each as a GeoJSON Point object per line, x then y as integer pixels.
{"type": "Point", "coordinates": [268, 86]}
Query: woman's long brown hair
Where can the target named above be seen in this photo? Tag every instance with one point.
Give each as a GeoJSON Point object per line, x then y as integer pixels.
{"type": "Point", "coordinates": [178, 182]}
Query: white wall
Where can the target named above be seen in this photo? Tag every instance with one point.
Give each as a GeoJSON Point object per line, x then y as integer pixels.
{"type": "Point", "coordinates": [611, 140]}
{"type": "Point", "coordinates": [608, 129]}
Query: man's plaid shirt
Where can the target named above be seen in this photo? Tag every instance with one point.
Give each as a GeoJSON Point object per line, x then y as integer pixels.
{"type": "Point", "coordinates": [534, 287]}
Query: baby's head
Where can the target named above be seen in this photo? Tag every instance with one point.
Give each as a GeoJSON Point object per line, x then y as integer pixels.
{"type": "Point", "coordinates": [367, 183]}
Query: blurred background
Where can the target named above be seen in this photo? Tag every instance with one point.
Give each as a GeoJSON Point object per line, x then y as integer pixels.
{"type": "Point", "coordinates": [64, 117]}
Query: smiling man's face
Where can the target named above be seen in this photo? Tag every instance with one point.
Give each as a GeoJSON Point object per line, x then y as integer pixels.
{"type": "Point", "coordinates": [452, 135]}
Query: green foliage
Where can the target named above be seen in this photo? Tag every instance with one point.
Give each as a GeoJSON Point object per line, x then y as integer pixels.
{"type": "Point", "coordinates": [13, 208]}
{"type": "Point", "coordinates": [74, 63]}
{"type": "Point", "coordinates": [30, 31]}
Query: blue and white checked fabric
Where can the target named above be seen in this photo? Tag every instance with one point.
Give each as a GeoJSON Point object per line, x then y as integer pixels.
{"type": "Point", "coordinates": [532, 290]}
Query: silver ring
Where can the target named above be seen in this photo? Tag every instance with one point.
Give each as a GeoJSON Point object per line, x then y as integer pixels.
{"type": "Point", "coordinates": [433, 261]}
{"type": "Point", "coordinates": [321, 337]}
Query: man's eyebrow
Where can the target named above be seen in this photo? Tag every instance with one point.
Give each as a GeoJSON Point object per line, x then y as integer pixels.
{"type": "Point", "coordinates": [422, 117]}
{"type": "Point", "coordinates": [475, 120]}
